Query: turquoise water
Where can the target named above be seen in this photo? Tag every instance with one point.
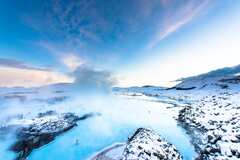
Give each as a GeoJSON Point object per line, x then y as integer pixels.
{"type": "Point", "coordinates": [119, 119]}
{"type": "Point", "coordinates": [5, 143]}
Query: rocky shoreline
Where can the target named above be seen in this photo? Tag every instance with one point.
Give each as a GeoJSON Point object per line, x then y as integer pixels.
{"type": "Point", "coordinates": [147, 144]}
{"type": "Point", "coordinates": [209, 111]}
{"type": "Point", "coordinates": [42, 130]}
{"type": "Point", "coordinates": [211, 115]}
{"type": "Point", "coordinates": [144, 144]}
{"type": "Point", "coordinates": [215, 131]}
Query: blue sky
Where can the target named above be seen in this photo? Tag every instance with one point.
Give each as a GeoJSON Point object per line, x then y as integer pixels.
{"type": "Point", "coordinates": [138, 41]}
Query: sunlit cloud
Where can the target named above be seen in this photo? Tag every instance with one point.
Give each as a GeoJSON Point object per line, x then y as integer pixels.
{"type": "Point", "coordinates": [16, 64]}
{"type": "Point", "coordinates": [72, 61]}
{"type": "Point", "coordinates": [115, 36]}
{"type": "Point", "coordinates": [22, 77]}
{"type": "Point", "coordinates": [15, 73]}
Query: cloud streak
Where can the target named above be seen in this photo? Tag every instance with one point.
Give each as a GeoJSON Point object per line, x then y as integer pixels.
{"type": "Point", "coordinates": [177, 19]}
{"type": "Point", "coordinates": [92, 29]}
{"type": "Point", "coordinates": [86, 24]}
{"type": "Point", "coordinates": [16, 73]}
{"type": "Point", "coordinates": [18, 77]}
{"type": "Point", "coordinates": [16, 64]}
{"type": "Point", "coordinates": [82, 23]}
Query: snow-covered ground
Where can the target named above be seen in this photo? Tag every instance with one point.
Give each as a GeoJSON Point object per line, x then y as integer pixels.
{"type": "Point", "coordinates": [204, 106]}
{"type": "Point", "coordinates": [117, 118]}
{"type": "Point", "coordinates": [211, 112]}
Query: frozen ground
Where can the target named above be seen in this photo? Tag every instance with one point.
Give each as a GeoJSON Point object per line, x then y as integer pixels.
{"type": "Point", "coordinates": [118, 117]}
{"type": "Point", "coordinates": [204, 106]}
{"type": "Point", "coordinates": [210, 113]}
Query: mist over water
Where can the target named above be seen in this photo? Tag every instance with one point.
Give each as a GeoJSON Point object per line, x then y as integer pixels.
{"type": "Point", "coordinates": [116, 118]}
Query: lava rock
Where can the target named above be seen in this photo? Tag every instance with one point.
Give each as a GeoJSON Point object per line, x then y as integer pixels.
{"type": "Point", "coordinates": [43, 130]}
{"type": "Point", "coordinates": [146, 144]}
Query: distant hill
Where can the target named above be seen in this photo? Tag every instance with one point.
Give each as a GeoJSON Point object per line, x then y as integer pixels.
{"type": "Point", "coordinates": [217, 77]}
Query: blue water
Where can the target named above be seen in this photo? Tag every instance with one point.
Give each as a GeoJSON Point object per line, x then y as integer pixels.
{"type": "Point", "coordinates": [5, 143]}
{"type": "Point", "coordinates": [119, 119]}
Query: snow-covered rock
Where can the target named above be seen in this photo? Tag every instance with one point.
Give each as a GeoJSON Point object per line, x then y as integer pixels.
{"type": "Point", "coordinates": [145, 144]}
{"type": "Point", "coordinates": [215, 119]}
{"type": "Point", "coordinates": [42, 130]}
{"type": "Point", "coordinates": [211, 115]}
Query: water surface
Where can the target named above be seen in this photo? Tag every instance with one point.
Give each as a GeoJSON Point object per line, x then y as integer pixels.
{"type": "Point", "coordinates": [120, 117]}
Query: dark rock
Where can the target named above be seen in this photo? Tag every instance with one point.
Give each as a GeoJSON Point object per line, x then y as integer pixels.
{"type": "Point", "coordinates": [215, 139]}
{"type": "Point", "coordinates": [187, 88]}
{"type": "Point", "coordinates": [238, 136]}
{"type": "Point", "coordinates": [48, 113]}
{"type": "Point", "coordinates": [45, 128]}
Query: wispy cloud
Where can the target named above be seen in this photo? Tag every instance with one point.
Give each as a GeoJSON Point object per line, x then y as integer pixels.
{"type": "Point", "coordinates": [67, 57]}
{"type": "Point", "coordinates": [90, 28]}
{"type": "Point", "coordinates": [73, 22]}
{"type": "Point", "coordinates": [16, 64]}
{"type": "Point", "coordinates": [177, 18]}
{"type": "Point", "coordinates": [88, 22]}
{"type": "Point", "coordinates": [19, 77]}
{"type": "Point", "coordinates": [16, 73]}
